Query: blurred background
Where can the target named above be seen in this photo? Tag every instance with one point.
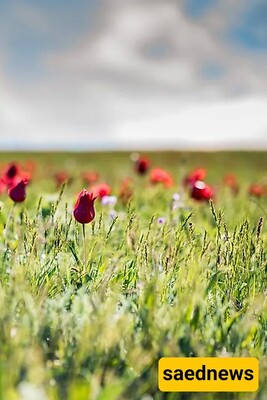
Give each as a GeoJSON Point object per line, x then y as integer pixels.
{"type": "Point", "coordinates": [133, 74]}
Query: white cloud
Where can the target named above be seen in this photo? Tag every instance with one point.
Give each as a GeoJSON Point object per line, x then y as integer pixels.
{"type": "Point", "coordinates": [233, 123]}
{"type": "Point", "coordinates": [137, 75]}
{"type": "Point", "coordinates": [13, 113]}
{"type": "Point", "coordinates": [118, 50]}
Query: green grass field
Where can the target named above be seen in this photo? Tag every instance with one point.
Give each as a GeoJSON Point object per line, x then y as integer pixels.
{"type": "Point", "coordinates": [91, 322]}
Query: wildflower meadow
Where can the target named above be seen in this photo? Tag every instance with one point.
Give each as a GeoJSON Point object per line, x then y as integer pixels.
{"type": "Point", "coordinates": [110, 261]}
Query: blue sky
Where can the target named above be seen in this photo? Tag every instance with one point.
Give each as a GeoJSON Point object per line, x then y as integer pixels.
{"type": "Point", "coordinates": [251, 30]}
{"type": "Point", "coordinates": [196, 8]}
{"type": "Point", "coordinates": [64, 21]}
{"type": "Point", "coordinates": [99, 67]}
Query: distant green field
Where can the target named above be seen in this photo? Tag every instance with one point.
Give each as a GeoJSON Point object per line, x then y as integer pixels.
{"type": "Point", "coordinates": [82, 321]}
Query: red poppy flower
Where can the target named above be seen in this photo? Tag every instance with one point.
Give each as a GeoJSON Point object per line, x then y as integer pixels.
{"type": "Point", "coordinates": [101, 190]}
{"type": "Point", "coordinates": [12, 170]}
{"type": "Point", "coordinates": [83, 210]}
{"type": "Point", "coordinates": [90, 177]}
{"type": "Point", "coordinates": [17, 192]}
{"type": "Point", "coordinates": [159, 175]}
{"type": "Point", "coordinates": [142, 165]}
{"type": "Point", "coordinates": [257, 190]}
{"type": "Point", "coordinates": [201, 192]}
{"type": "Point", "coordinates": [13, 174]}
{"type": "Point", "coordinates": [197, 175]}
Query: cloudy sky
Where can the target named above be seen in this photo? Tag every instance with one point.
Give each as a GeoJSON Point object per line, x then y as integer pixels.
{"type": "Point", "coordinates": [93, 74]}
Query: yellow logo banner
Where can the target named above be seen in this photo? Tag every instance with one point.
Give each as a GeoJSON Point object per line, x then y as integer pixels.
{"type": "Point", "coordinates": [209, 374]}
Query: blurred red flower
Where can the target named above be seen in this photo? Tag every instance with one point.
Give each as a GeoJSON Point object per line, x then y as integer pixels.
{"type": "Point", "coordinates": [30, 166]}
{"type": "Point", "coordinates": [83, 210]}
{"type": "Point", "coordinates": [101, 189]}
{"type": "Point", "coordinates": [90, 177]}
{"type": "Point", "coordinates": [197, 174]}
{"type": "Point", "coordinates": [231, 181]}
{"type": "Point", "coordinates": [2, 186]}
{"type": "Point", "coordinates": [17, 192]}
{"type": "Point", "coordinates": [13, 174]}
{"type": "Point", "coordinates": [12, 170]}
{"type": "Point", "coordinates": [201, 191]}
{"type": "Point", "coordinates": [61, 177]}
{"type": "Point", "coordinates": [159, 175]}
{"type": "Point", "coordinates": [142, 165]}
{"type": "Point", "coordinates": [257, 190]}
{"type": "Point", "coordinates": [126, 190]}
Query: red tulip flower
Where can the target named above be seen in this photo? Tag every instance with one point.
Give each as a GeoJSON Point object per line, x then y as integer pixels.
{"type": "Point", "coordinates": [201, 192]}
{"type": "Point", "coordinates": [101, 190]}
{"type": "Point", "coordinates": [197, 175]}
{"type": "Point", "coordinates": [159, 175]}
{"type": "Point", "coordinates": [17, 192]}
{"type": "Point", "coordinates": [83, 210]}
{"type": "Point", "coordinates": [142, 165]}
